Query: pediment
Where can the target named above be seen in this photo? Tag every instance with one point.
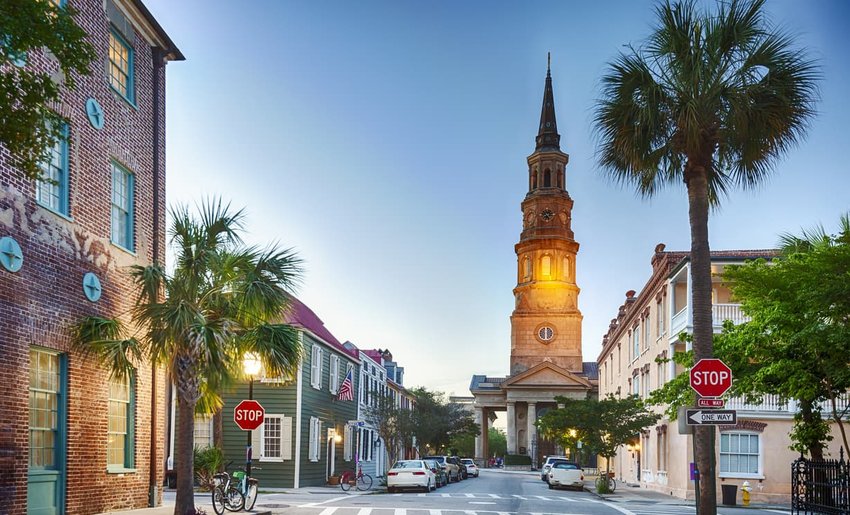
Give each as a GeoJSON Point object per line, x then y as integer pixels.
{"type": "Point", "coordinates": [547, 375]}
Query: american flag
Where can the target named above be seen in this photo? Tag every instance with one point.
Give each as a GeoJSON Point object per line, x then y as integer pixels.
{"type": "Point", "coordinates": [346, 389]}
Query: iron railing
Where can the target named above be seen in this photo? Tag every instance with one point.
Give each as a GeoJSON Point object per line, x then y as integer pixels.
{"type": "Point", "coordinates": [820, 486]}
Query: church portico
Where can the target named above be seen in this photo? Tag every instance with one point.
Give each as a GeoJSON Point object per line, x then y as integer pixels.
{"type": "Point", "coordinates": [546, 355]}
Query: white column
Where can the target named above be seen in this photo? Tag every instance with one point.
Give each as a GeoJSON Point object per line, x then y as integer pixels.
{"type": "Point", "coordinates": [479, 440]}
{"type": "Point", "coordinates": [511, 428]}
{"type": "Point", "coordinates": [532, 429]}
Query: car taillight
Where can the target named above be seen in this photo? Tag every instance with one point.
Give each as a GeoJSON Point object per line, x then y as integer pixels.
{"type": "Point", "coordinates": [392, 473]}
{"type": "Point", "coordinates": [418, 473]}
{"type": "Point", "coordinates": [434, 471]}
{"type": "Point", "coordinates": [582, 477]}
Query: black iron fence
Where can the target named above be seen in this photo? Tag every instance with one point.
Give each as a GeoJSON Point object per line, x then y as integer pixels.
{"type": "Point", "coordinates": [820, 486]}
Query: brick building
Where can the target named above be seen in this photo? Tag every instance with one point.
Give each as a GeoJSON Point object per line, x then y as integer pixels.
{"type": "Point", "coordinates": [72, 440]}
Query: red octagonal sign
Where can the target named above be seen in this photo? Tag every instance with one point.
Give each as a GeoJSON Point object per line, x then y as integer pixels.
{"type": "Point", "coordinates": [249, 415]}
{"type": "Point", "coordinates": [711, 377]}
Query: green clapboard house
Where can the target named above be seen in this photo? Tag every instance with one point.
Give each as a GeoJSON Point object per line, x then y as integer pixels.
{"type": "Point", "coordinates": [305, 438]}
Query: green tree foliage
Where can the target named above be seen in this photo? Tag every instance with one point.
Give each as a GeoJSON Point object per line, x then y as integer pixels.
{"type": "Point", "coordinates": [28, 125]}
{"type": "Point", "coordinates": [438, 421]}
{"type": "Point", "coordinates": [797, 343]}
{"type": "Point", "coordinates": [394, 424]}
{"type": "Point", "coordinates": [711, 100]}
{"type": "Point", "coordinates": [464, 444]}
{"type": "Point", "coordinates": [222, 300]}
{"type": "Point", "coordinates": [600, 425]}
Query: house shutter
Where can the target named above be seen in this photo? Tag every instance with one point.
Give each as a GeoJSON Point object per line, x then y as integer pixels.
{"type": "Point", "coordinates": [346, 443]}
{"type": "Point", "coordinates": [286, 438]}
{"type": "Point", "coordinates": [333, 384]}
{"type": "Point", "coordinates": [315, 366]}
{"type": "Point", "coordinates": [257, 447]}
{"type": "Point", "coordinates": [312, 445]}
{"type": "Point", "coordinates": [319, 442]}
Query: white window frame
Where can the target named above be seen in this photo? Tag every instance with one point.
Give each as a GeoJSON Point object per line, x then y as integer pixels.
{"type": "Point", "coordinates": [203, 423]}
{"type": "Point", "coordinates": [347, 454]}
{"type": "Point", "coordinates": [316, 362]}
{"type": "Point", "coordinates": [285, 439]}
{"type": "Point", "coordinates": [333, 382]}
{"type": "Point", "coordinates": [759, 474]}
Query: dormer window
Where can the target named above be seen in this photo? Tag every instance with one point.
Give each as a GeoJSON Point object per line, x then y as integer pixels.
{"type": "Point", "coordinates": [547, 178]}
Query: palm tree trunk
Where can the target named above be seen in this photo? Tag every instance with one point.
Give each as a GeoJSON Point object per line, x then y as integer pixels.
{"type": "Point", "coordinates": [184, 457]}
{"type": "Point", "coordinates": [703, 346]}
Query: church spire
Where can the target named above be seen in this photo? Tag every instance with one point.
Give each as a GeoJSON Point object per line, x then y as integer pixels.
{"type": "Point", "coordinates": [548, 137]}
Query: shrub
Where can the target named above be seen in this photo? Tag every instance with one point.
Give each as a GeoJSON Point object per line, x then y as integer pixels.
{"type": "Point", "coordinates": [208, 461]}
{"type": "Point", "coordinates": [517, 459]}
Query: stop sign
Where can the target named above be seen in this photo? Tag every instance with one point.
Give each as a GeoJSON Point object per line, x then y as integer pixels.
{"type": "Point", "coordinates": [711, 377]}
{"type": "Point", "coordinates": [249, 415]}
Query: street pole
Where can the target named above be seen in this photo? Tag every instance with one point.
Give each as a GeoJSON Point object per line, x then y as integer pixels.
{"type": "Point", "coordinates": [248, 449]}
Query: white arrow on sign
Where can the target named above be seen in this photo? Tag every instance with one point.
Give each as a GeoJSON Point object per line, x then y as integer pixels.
{"type": "Point", "coordinates": [358, 423]}
{"type": "Point", "coordinates": [712, 417]}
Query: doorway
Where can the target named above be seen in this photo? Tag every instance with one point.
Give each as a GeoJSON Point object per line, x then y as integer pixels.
{"type": "Point", "coordinates": [47, 432]}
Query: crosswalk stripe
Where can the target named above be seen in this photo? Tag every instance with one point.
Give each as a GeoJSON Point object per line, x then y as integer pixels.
{"type": "Point", "coordinates": [471, 495]}
{"type": "Point", "coordinates": [543, 497]}
{"type": "Point", "coordinates": [446, 495]}
{"type": "Point", "coordinates": [364, 511]}
{"type": "Point", "coordinates": [494, 496]}
{"type": "Point", "coordinates": [328, 511]}
{"type": "Point", "coordinates": [400, 511]}
{"type": "Point", "coordinates": [420, 495]}
{"type": "Point", "coordinates": [521, 497]}
{"type": "Point", "coordinates": [435, 512]}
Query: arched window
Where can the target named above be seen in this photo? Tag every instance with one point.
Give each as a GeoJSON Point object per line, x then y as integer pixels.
{"type": "Point", "coordinates": [534, 180]}
{"type": "Point", "coordinates": [566, 270]}
{"type": "Point", "coordinates": [546, 266]}
{"type": "Point", "coordinates": [561, 179]}
{"type": "Point", "coordinates": [547, 178]}
{"type": "Point", "coordinates": [526, 265]}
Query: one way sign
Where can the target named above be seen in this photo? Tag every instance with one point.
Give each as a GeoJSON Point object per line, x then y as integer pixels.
{"type": "Point", "coordinates": [712, 417]}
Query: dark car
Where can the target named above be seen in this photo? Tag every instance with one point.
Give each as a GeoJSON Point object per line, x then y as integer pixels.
{"type": "Point", "coordinates": [441, 477]}
{"type": "Point", "coordinates": [464, 472]}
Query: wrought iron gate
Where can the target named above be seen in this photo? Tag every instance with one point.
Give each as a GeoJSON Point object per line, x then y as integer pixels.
{"type": "Point", "coordinates": [820, 486]}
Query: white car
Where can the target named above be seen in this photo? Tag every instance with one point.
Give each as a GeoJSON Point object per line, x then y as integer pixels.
{"type": "Point", "coordinates": [544, 470]}
{"type": "Point", "coordinates": [411, 474]}
{"type": "Point", "coordinates": [566, 474]}
{"type": "Point", "coordinates": [471, 467]}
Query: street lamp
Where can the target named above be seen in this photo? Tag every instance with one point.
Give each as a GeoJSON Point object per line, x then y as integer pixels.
{"type": "Point", "coordinates": [251, 364]}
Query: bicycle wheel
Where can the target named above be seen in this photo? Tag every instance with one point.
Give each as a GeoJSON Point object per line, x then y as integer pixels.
{"type": "Point", "coordinates": [612, 484]}
{"type": "Point", "coordinates": [345, 481]}
{"type": "Point", "coordinates": [233, 499]}
{"type": "Point", "coordinates": [364, 482]}
{"type": "Point", "coordinates": [218, 500]}
{"type": "Point", "coordinates": [251, 495]}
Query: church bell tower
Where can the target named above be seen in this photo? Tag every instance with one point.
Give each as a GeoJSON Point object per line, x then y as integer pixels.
{"type": "Point", "coordinates": [546, 321]}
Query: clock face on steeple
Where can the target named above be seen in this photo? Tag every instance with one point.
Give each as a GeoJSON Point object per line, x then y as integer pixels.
{"type": "Point", "coordinates": [547, 215]}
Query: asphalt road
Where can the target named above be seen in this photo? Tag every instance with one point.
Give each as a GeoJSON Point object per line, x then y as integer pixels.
{"type": "Point", "coordinates": [494, 493]}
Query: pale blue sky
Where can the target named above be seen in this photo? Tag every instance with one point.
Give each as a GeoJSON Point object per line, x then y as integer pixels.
{"type": "Point", "coordinates": [386, 142]}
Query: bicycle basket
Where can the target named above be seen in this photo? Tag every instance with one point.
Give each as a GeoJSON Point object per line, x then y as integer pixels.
{"type": "Point", "coordinates": [219, 479]}
{"type": "Point", "coordinates": [238, 475]}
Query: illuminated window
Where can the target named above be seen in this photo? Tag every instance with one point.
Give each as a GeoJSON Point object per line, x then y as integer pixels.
{"type": "Point", "coordinates": [566, 271]}
{"type": "Point", "coordinates": [121, 66]}
{"type": "Point", "coordinates": [119, 444]}
{"type": "Point", "coordinates": [546, 266]}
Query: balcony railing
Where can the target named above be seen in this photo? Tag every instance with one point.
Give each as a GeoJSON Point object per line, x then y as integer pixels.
{"type": "Point", "coordinates": [733, 312]}
{"type": "Point", "coordinates": [771, 403]}
{"type": "Point", "coordinates": [679, 322]}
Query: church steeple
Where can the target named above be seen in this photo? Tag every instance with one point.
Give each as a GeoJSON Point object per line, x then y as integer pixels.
{"type": "Point", "coordinates": [548, 137]}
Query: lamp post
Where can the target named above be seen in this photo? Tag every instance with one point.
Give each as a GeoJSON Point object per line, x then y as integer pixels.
{"type": "Point", "coordinates": [251, 364]}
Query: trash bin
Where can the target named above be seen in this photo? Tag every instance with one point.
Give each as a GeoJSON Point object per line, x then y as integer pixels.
{"type": "Point", "coordinates": [730, 494]}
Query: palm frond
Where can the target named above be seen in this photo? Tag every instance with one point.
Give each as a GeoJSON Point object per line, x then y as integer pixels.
{"type": "Point", "coordinates": [278, 347]}
{"type": "Point", "coordinates": [101, 339]}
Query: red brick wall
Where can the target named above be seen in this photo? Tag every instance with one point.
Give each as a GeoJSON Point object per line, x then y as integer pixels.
{"type": "Point", "coordinates": [44, 298]}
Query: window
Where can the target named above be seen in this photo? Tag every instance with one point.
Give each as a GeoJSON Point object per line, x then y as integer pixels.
{"type": "Point", "coordinates": [121, 66]}
{"type": "Point", "coordinates": [203, 431]}
{"type": "Point", "coordinates": [546, 266]}
{"type": "Point", "coordinates": [526, 269]}
{"type": "Point", "coordinates": [347, 455]}
{"type": "Point", "coordinates": [739, 454]}
{"type": "Point", "coordinates": [45, 410]}
{"type": "Point", "coordinates": [120, 440]}
{"type": "Point", "coordinates": [659, 313]}
{"type": "Point", "coordinates": [316, 367]}
{"type": "Point", "coordinates": [364, 444]}
{"type": "Point", "coordinates": [315, 451]}
{"type": "Point", "coordinates": [545, 333]}
{"type": "Point", "coordinates": [333, 384]}
{"type": "Point", "coordinates": [547, 178]}
{"type": "Point", "coordinates": [646, 335]}
{"type": "Point", "coordinates": [273, 440]}
{"type": "Point", "coordinates": [122, 207]}
{"type": "Point", "coordinates": [566, 271]}
{"type": "Point", "coordinates": [636, 386]}
{"type": "Point", "coordinates": [635, 342]}
{"type": "Point", "coordinates": [51, 190]}
{"type": "Point", "coordinates": [646, 385]}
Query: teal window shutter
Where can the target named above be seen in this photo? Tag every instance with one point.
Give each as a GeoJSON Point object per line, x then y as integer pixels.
{"type": "Point", "coordinates": [123, 185]}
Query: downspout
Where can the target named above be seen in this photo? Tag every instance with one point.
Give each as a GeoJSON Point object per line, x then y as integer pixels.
{"type": "Point", "coordinates": [158, 65]}
{"type": "Point", "coordinates": [298, 400]}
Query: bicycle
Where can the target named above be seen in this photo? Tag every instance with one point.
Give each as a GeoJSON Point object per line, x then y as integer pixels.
{"type": "Point", "coordinates": [361, 481]}
{"type": "Point", "coordinates": [612, 483]}
{"type": "Point", "coordinates": [234, 496]}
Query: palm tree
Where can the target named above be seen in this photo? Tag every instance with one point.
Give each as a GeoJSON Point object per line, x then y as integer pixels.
{"type": "Point", "coordinates": [712, 100]}
{"type": "Point", "coordinates": [220, 302]}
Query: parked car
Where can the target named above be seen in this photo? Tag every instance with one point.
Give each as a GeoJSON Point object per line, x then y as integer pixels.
{"type": "Point", "coordinates": [566, 474]}
{"type": "Point", "coordinates": [411, 474]}
{"type": "Point", "coordinates": [440, 477]}
{"type": "Point", "coordinates": [544, 471]}
{"type": "Point", "coordinates": [464, 474]}
{"type": "Point", "coordinates": [451, 468]}
{"type": "Point", "coordinates": [471, 467]}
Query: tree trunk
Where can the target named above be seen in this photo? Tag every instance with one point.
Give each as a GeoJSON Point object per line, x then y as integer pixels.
{"type": "Point", "coordinates": [703, 331]}
{"type": "Point", "coordinates": [218, 430]}
{"type": "Point", "coordinates": [184, 457]}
